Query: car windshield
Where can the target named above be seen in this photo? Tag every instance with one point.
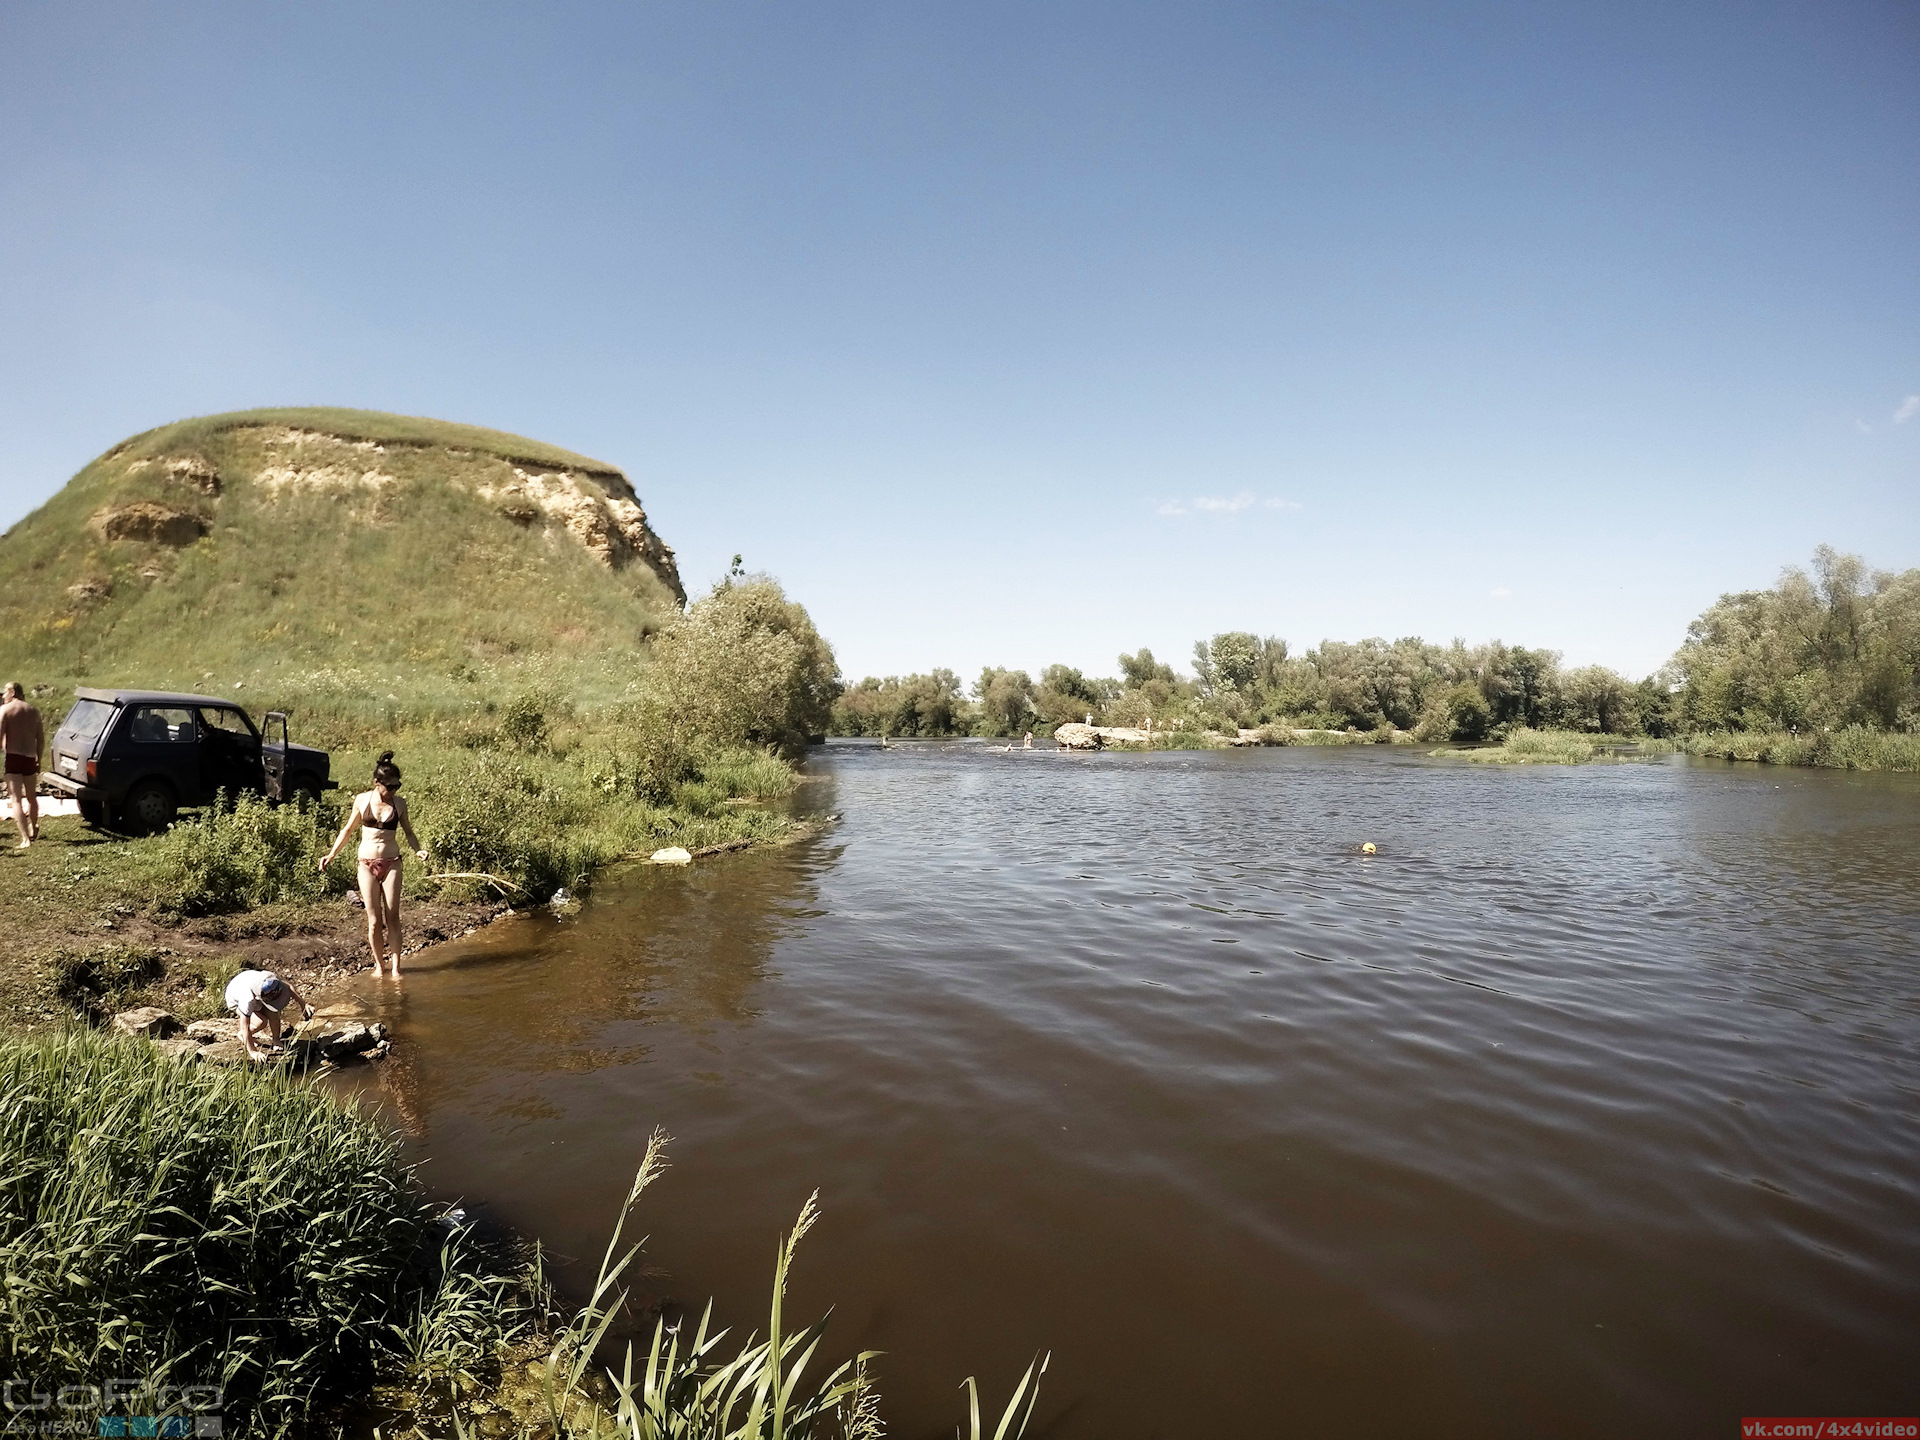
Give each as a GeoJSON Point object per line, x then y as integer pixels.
{"type": "Point", "coordinates": [231, 721]}
{"type": "Point", "coordinates": [87, 719]}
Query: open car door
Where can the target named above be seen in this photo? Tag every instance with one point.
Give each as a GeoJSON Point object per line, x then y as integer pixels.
{"type": "Point", "coordinates": [273, 753]}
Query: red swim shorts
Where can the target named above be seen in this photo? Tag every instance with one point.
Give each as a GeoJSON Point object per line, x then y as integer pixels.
{"type": "Point", "coordinates": [22, 764]}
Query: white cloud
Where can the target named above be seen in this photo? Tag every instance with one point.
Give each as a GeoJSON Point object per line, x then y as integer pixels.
{"type": "Point", "coordinates": [1225, 504]}
{"type": "Point", "coordinates": [1909, 408]}
{"type": "Point", "coordinates": [1499, 592]}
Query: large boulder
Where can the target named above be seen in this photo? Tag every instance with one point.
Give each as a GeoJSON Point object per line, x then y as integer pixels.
{"type": "Point", "coordinates": [148, 1022]}
{"type": "Point", "coordinates": [1077, 737]}
{"type": "Point", "coordinates": [206, 1032]}
{"type": "Point", "coordinates": [180, 1047]}
{"type": "Point", "coordinates": [338, 1041]}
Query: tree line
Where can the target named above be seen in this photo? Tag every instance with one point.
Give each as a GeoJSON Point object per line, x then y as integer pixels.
{"type": "Point", "coordinates": [1839, 646]}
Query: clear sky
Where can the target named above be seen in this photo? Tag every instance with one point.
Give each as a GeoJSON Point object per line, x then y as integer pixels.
{"type": "Point", "coordinates": [1012, 333]}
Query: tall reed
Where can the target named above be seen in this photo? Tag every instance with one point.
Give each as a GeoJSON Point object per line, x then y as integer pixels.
{"type": "Point", "coordinates": [686, 1389]}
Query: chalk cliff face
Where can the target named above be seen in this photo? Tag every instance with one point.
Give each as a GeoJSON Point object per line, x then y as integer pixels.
{"type": "Point", "coordinates": [343, 541]}
{"type": "Point", "coordinates": [596, 506]}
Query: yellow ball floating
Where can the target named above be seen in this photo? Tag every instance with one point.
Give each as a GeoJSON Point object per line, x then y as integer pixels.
{"type": "Point", "coordinates": [1367, 849]}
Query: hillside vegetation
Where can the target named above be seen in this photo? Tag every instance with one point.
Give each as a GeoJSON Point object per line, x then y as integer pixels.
{"type": "Point", "coordinates": [336, 559]}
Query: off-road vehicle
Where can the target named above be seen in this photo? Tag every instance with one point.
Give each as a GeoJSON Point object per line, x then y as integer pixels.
{"type": "Point", "coordinates": [134, 758]}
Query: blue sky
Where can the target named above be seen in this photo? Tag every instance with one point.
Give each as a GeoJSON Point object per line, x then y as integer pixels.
{"type": "Point", "coordinates": [1014, 333]}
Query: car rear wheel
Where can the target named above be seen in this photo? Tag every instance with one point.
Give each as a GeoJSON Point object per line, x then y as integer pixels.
{"type": "Point", "coordinates": [305, 793]}
{"type": "Point", "coordinates": [149, 807]}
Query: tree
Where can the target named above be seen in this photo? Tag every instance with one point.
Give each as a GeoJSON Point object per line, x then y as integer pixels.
{"type": "Point", "coordinates": [1006, 700]}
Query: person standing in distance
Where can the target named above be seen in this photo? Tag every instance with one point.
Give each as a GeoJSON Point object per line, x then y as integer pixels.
{"type": "Point", "coordinates": [22, 736]}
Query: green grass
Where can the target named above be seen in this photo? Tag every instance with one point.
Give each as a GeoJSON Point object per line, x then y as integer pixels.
{"type": "Point", "coordinates": [1562, 747]}
{"type": "Point", "coordinates": [183, 1225]}
{"type": "Point", "coordinates": [1530, 747]}
{"type": "Point", "coordinates": [1853, 748]}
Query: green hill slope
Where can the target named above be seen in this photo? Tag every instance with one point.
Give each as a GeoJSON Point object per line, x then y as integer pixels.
{"type": "Point", "coordinates": [337, 557]}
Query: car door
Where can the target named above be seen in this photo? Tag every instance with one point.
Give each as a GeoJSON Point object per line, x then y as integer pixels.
{"type": "Point", "coordinates": [229, 751]}
{"type": "Point", "coordinates": [163, 743]}
{"type": "Point", "coordinates": [273, 755]}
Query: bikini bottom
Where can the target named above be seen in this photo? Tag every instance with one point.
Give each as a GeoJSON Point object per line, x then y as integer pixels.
{"type": "Point", "coordinates": [378, 868]}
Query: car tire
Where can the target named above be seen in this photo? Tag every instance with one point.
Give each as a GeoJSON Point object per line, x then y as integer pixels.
{"type": "Point", "coordinates": [94, 812]}
{"type": "Point", "coordinates": [149, 807]}
{"type": "Point", "coordinates": [305, 792]}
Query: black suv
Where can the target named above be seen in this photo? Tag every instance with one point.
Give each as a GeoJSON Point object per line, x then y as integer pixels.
{"type": "Point", "coordinates": [132, 758]}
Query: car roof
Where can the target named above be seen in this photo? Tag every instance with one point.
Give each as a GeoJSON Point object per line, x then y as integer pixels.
{"type": "Point", "coordinates": [152, 697]}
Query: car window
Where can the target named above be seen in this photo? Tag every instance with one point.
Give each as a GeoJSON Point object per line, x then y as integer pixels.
{"type": "Point", "coordinates": [87, 719]}
{"type": "Point", "coordinates": [161, 725]}
{"type": "Point", "coordinates": [231, 721]}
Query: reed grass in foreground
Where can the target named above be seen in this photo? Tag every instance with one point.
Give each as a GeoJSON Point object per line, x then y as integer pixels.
{"type": "Point", "coordinates": [242, 1232]}
{"type": "Point", "coordinates": [686, 1388]}
{"type": "Point", "coordinates": [182, 1226]}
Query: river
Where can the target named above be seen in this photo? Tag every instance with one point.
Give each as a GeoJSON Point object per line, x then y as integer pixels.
{"type": "Point", "coordinates": [1588, 1106]}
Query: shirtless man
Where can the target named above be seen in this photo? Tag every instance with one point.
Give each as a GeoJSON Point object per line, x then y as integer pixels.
{"type": "Point", "coordinates": [22, 736]}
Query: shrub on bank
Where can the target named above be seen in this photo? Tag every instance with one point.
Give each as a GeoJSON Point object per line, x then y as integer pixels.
{"type": "Point", "coordinates": [240, 856]}
{"type": "Point", "coordinates": [192, 1226]}
{"type": "Point", "coordinates": [1853, 747]}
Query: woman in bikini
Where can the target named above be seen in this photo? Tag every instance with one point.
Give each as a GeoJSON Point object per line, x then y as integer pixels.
{"type": "Point", "coordinates": [379, 813]}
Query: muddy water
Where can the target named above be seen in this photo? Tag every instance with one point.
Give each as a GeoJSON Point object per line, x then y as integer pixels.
{"type": "Point", "coordinates": [1590, 1106]}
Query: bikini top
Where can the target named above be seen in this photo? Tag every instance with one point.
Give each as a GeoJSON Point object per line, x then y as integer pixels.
{"type": "Point", "coordinates": [392, 822]}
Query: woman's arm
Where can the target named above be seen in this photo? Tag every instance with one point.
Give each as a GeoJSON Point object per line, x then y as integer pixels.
{"type": "Point", "coordinates": [406, 824]}
{"type": "Point", "coordinates": [353, 818]}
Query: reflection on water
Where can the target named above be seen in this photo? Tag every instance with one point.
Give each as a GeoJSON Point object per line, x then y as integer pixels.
{"type": "Point", "coordinates": [1587, 1107]}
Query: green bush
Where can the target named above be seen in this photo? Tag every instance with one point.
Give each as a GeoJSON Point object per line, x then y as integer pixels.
{"type": "Point", "coordinates": [1853, 747]}
{"type": "Point", "coordinates": [749, 775]}
{"type": "Point", "coordinates": [493, 816]}
{"type": "Point", "coordinates": [196, 1226]}
{"type": "Point", "coordinates": [233, 858]}
{"type": "Point", "coordinates": [523, 724]}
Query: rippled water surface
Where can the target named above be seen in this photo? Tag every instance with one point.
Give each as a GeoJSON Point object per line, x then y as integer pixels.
{"type": "Point", "coordinates": [1587, 1107]}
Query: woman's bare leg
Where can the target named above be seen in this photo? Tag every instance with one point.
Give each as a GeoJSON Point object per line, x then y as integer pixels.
{"type": "Point", "coordinates": [395, 940]}
{"type": "Point", "coordinates": [371, 897]}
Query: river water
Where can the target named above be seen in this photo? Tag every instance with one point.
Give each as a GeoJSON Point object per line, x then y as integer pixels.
{"type": "Point", "coordinates": [1589, 1106]}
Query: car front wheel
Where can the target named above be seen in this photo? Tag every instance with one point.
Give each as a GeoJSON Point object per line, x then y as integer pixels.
{"type": "Point", "coordinates": [149, 807]}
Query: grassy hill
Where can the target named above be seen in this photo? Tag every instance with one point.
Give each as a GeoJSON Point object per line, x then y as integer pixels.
{"type": "Point", "coordinates": [338, 560]}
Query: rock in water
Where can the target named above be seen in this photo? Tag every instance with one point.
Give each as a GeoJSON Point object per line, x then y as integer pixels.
{"type": "Point", "coordinates": [1077, 737]}
{"type": "Point", "coordinates": [339, 1041]}
{"type": "Point", "coordinates": [223, 1052]}
{"type": "Point", "coordinates": [672, 855]}
{"type": "Point", "coordinates": [181, 1047]}
{"type": "Point", "coordinates": [205, 1032]}
{"type": "Point", "coordinates": [147, 1022]}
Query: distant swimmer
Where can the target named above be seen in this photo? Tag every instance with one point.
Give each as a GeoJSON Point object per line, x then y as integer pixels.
{"type": "Point", "coordinates": [1029, 744]}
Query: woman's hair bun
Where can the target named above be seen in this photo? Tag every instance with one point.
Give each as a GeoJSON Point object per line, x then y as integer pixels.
{"type": "Point", "coordinates": [385, 772]}
{"type": "Point", "coordinates": [386, 758]}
